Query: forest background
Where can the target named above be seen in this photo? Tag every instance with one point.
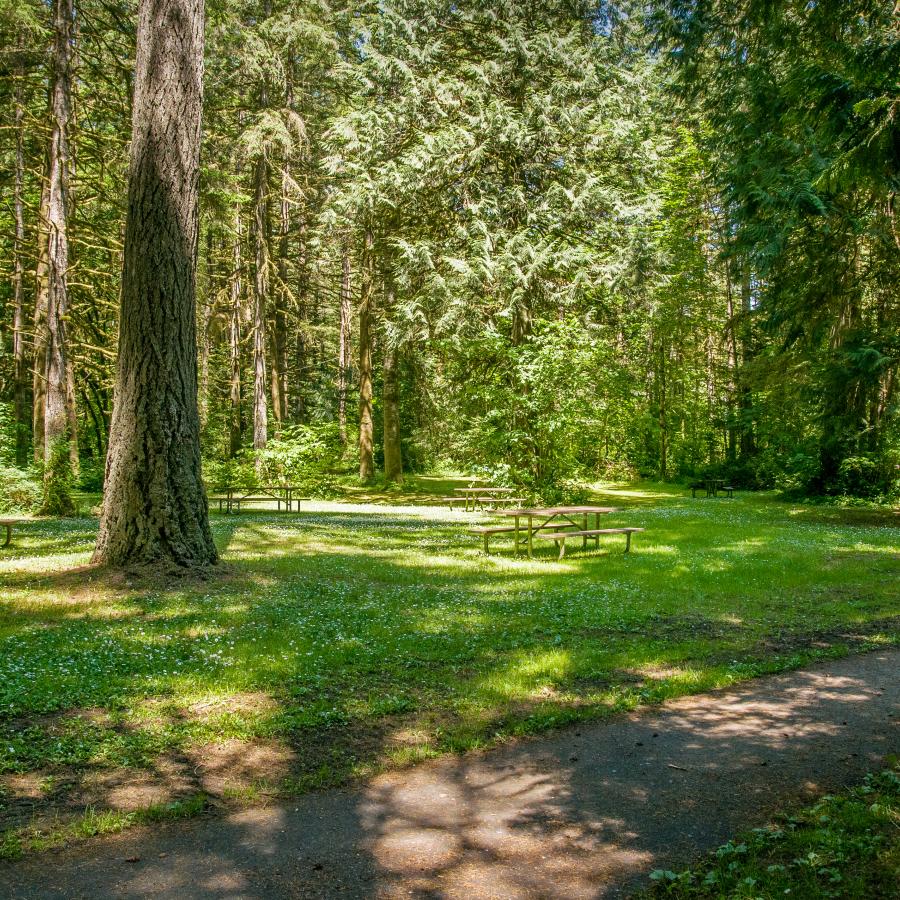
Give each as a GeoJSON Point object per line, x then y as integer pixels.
{"type": "Point", "coordinates": [542, 241]}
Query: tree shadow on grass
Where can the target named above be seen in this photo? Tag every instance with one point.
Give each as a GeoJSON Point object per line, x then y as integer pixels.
{"type": "Point", "coordinates": [414, 656]}
{"type": "Point", "coordinates": [587, 812]}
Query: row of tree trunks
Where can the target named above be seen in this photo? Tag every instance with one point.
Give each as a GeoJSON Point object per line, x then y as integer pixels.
{"type": "Point", "coordinates": [154, 505]}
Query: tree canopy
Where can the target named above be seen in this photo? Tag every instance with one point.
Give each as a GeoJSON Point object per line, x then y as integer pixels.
{"type": "Point", "coordinates": [552, 241]}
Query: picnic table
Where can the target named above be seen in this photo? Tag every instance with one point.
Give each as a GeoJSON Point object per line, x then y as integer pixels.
{"type": "Point", "coordinates": [472, 495]}
{"type": "Point", "coordinates": [557, 523]}
{"type": "Point", "coordinates": [280, 493]}
{"type": "Point", "coordinates": [712, 487]}
{"type": "Point", "coordinates": [8, 525]}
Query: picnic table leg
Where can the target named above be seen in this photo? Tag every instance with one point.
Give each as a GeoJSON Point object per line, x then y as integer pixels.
{"type": "Point", "coordinates": [627, 541]}
{"type": "Point", "coordinates": [562, 547]}
{"type": "Point", "coordinates": [529, 538]}
{"type": "Point", "coordinates": [516, 540]}
{"type": "Point", "coordinates": [584, 528]}
{"type": "Point", "coordinates": [8, 540]}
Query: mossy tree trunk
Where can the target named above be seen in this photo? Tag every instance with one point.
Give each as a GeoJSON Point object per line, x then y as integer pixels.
{"type": "Point", "coordinates": [154, 508]}
{"type": "Point", "coordinates": [234, 343]}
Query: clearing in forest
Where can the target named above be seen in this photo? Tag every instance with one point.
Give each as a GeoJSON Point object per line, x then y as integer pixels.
{"type": "Point", "coordinates": [349, 638]}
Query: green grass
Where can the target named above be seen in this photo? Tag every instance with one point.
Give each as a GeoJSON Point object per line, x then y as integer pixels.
{"type": "Point", "coordinates": [844, 846]}
{"type": "Point", "coordinates": [375, 634]}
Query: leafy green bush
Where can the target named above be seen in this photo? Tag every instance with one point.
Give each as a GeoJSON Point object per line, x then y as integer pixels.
{"type": "Point", "coordinates": [90, 476]}
{"type": "Point", "coordinates": [238, 472]}
{"type": "Point", "coordinates": [863, 476]}
{"type": "Point", "coordinates": [302, 455]}
{"type": "Point", "coordinates": [20, 490]}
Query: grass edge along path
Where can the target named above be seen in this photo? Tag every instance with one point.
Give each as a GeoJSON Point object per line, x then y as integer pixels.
{"type": "Point", "coordinates": [19, 842]}
{"type": "Point", "coordinates": [845, 845]}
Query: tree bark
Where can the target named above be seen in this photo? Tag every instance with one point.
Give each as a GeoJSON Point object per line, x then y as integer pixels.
{"type": "Point", "coordinates": [366, 430]}
{"type": "Point", "coordinates": [279, 316]}
{"type": "Point", "coordinates": [20, 362]}
{"type": "Point", "coordinates": [390, 399]}
{"type": "Point", "coordinates": [207, 305]}
{"type": "Point", "coordinates": [236, 429]}
{"type": "Point", "coordinates": [393, 459]}
{"type": "Point", "coordinates": [41, 295]}
{"type": "Point", "coordinates": [344, 343]}
{"type": "Point", "coordinates": [260, 296]}
{"type": "Point", "coordinates": [60, 392]}
{"type": "Point", "coordinates": [154, 507]}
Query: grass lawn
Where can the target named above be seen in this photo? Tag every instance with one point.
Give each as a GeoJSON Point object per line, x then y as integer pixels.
{"type": "Point", "coordinates": [349, 637]}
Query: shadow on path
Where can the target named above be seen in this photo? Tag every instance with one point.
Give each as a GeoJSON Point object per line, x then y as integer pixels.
{"type": "Point", "coordinates": [585, 813]}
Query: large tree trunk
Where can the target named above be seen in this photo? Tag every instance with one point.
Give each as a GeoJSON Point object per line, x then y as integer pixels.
{"type": "Point", "coordinates": [731, 345]}
{"type": "Point", "coordinates": [390, 398]}
{"type": "Point", "coordinates": [207, 307]}
{"type": "Point", "coordinates": [41, 299]}
{"type": "Point", "coordinates": [279, 316]}
{"type": "Point", "coordinates": [60, 393]}
{"type": "Point", "coordinates": [20, 362]}
{"type": "Point", "coordinates": [154, 508]}
{"type": "Point", "coordinates": [235, 429]}
{"type": "Point", "coordinates": [745, 395]}
{"type": "Point", "coordinates": [393, 459]}
{"type": "Point", "coordinates": [344, 343]}
{"type": "Point", "coordinates": [366, 299]}
{"type": "Point", "coordinates": [260, 296]}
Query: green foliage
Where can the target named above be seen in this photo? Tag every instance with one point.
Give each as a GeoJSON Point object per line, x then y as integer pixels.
{"type": "Point", "coordinates": [20, 491]}
{"type": "Point", "coordinates": [302, 455]}
{"type": "Point", "coordinates": [844, 846]}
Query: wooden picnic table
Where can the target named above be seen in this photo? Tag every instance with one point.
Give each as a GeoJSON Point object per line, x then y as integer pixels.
{"type": "Point", "coordinates": [8, 524]}
{"type": "Point", "coordinates": [553, 517]}
{"type": "Point", "coordinates": [280, 493]}
{"type": "Point", "coordinates": [712, 486]}
{"type": "Point", "coordinates": [471, 494]}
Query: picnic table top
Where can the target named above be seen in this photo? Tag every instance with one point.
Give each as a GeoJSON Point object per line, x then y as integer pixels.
{"type": "Point", "coordinates": [263, 487]}
{"type": "Point", "coordinates": [556, 511]}
{"type": "Point", "coordinates": [484, 490]}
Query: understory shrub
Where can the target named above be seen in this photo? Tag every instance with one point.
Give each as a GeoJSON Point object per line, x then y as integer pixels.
{"type": "Point", "coordinates": [20, 490]}
{"type": "Point", "coordinates": [307, 456]}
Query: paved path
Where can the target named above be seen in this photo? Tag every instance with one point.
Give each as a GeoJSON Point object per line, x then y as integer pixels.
{"type": "Point", "coordinates": [587, 812]}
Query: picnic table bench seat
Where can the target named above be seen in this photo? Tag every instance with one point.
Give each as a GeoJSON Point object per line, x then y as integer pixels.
{"type": "Point", "coordinates": [584, 534]}
{"type": "Point", "coordinates": [485, 531]}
